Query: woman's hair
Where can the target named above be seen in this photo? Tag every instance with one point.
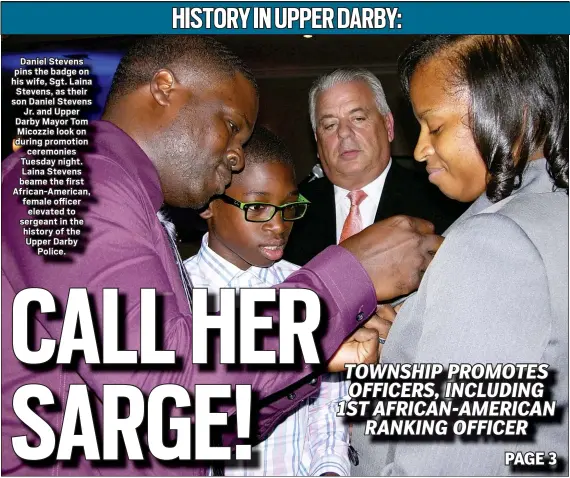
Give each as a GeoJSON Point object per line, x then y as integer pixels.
{"type": "Point", "coordinates": [518, 87]}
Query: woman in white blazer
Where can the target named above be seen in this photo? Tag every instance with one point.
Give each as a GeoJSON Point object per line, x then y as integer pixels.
{"type": "Point", "coordinates": [493, 112]}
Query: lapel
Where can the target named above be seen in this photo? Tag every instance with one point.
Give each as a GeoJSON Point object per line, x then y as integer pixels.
{"type": "Point", "coordinates": [327, 213]}
{"type": "Point", "coordinates": [393, 195]}
{"type": "Point", "coordinates": [321, 221]}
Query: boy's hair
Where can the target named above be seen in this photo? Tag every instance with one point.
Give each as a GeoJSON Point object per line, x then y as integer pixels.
{"type": "Point", "coordinates": [265, 147]}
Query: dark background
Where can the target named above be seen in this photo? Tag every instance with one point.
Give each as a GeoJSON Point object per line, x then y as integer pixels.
{"type": "Point", "coordinates": [285, 66]}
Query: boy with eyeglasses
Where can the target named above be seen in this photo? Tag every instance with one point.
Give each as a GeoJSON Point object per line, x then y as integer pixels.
{"type": "Point", "coordinates": [248, 229]}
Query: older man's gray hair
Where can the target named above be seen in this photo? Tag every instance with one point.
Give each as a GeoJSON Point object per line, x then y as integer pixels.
{"type": "Point", "coordinates": [347, 75]}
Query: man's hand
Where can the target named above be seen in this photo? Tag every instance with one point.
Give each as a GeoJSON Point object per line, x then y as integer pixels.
{"type": "Point", "coordinates": [360, 347]}
{"type": "Point", "coordinates": [395, 253]}
{"type": "Point", "coordinates": [363, 345]}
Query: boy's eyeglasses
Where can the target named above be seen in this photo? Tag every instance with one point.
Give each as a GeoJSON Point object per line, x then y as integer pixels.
{"type": "Point", "coordinates": [264, 212]}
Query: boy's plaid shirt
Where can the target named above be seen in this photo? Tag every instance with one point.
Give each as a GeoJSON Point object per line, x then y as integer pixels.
{"type": "Point", "coordinates": [311, 441]}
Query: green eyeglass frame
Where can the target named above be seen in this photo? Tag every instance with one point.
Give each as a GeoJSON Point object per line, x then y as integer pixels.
{"type": "Point", "coordinates": [289, 212]}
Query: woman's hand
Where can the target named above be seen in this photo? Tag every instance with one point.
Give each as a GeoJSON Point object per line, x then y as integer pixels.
{"type": "Point", "coordinates": [360, 347]}
{"type": "Point", "coordinates": [399, 306]}
{"type": "Point", "coordinates": [365, 344]}
{"type": "Point", "coordinates": [381, 321]}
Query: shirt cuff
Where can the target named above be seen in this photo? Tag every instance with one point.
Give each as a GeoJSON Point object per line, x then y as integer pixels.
{"type": "Point", "coordinates": [331, 464]}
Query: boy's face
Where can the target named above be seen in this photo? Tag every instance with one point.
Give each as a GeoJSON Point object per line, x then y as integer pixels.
{"type": "Point", "coordinates": [246, 243]}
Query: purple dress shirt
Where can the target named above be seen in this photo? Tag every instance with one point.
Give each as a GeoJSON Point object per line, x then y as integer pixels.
{"type": "Point", "coordinates": [127, 248]}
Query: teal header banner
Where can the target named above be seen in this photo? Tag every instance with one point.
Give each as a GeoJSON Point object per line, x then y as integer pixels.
{"type": "Point", "coordinates": [71, 17]}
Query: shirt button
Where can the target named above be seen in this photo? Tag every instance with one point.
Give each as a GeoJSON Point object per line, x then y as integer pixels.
{"type": "Point", "coordinates": [313, 382]}
{"type": "Point", "coordinates": [359, 316]}
{"type": "Point", "coordinates": [292, 396]}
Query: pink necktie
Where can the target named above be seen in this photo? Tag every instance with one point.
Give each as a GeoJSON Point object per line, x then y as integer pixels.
{"type": "Point", "coordinates": [353, 222]}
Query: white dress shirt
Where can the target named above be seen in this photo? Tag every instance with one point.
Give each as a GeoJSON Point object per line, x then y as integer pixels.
{"type": "Point", "coordinates": [368, 206]}
{"type": "Point", "coordinates": [311, 441]}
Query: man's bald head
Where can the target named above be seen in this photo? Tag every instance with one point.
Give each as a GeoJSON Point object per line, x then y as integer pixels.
{"type": "Point", "coordinates": [182, 54]}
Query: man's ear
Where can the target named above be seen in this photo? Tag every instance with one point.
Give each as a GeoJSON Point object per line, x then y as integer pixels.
{"type": "Point", "coordinates": [162, 85]}
{"type": "Point", "coordinates": [389, 123]}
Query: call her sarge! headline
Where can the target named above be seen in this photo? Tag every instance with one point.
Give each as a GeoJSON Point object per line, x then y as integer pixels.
{"type": "Point", "coordinates": [80, 337]}
{"type": "Point", "coordinates": [404, 392]}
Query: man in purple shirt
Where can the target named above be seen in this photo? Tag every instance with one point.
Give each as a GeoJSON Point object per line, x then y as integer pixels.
{"type": "Point", "coordinates": [177, 116]}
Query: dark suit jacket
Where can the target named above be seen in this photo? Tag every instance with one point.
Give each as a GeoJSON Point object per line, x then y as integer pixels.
{"type": "Point", "coordinates": [405, 192]}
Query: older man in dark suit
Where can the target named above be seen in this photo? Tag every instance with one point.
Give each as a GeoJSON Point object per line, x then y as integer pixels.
{"type": "Point", "coordinates": [353, 128]}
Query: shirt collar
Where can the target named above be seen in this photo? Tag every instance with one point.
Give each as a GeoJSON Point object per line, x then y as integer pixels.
{"type": "Point", "coordinates": [373, 190]}
{"type": "Point", "coordinates": [259, 272]}
{"type": "Point", "coordinates": [223, 272]}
